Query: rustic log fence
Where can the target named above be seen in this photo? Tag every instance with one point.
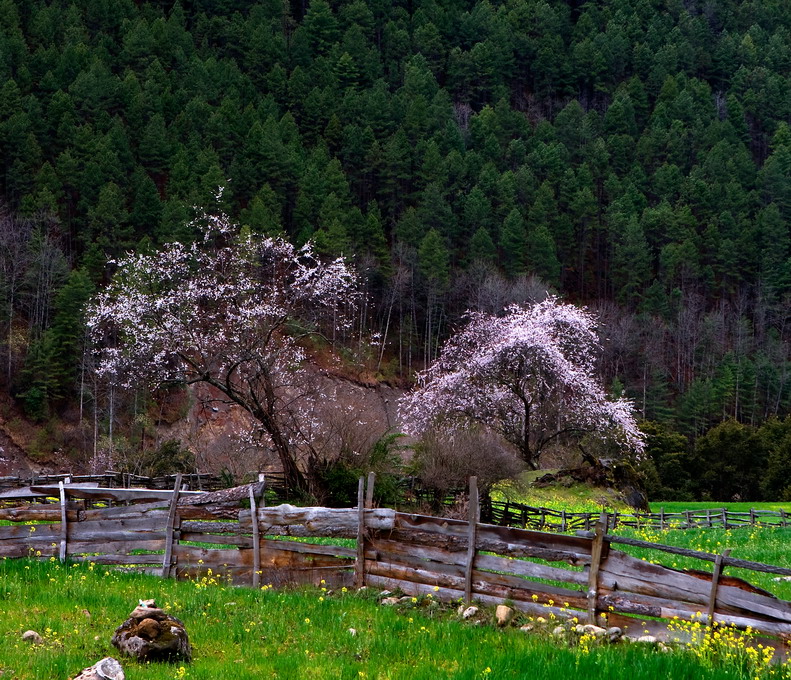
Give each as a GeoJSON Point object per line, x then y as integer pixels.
{"type": "Point", "coordinates": [233, 533]}
{"type": "Point", "coordinates": [502, 513]}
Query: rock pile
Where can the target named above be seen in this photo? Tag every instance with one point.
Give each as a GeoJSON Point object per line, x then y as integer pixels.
{"type": "Point", "coordinates": [151, 634]}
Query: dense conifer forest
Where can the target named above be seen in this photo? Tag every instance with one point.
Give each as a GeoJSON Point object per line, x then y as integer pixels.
{"type": "Point", "coordinates": [632, 155]}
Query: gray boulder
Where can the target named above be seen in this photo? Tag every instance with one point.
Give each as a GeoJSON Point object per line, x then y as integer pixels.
{"type": "Point", "coordinates": [106, 669]}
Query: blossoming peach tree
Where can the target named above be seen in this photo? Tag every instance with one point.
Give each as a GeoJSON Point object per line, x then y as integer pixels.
{"type": "Point", "coordinates": [228, 311]}
{"type": "Point", "coordinates": [527, 374]}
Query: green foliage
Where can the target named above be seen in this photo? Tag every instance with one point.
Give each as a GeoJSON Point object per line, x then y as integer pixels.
{"type": "Point", "coordinates": [169, 458]}
{"type": "Point", "coordinates": [728, 462]}
{"type": "Point", "coordinates": [338, 479]}
{"type": "Point", "coordinates": [775, 436]}
{"type": "Point", "coordinates": [666, 465]}
{"type": "Point", "coordinates": [636, 157]}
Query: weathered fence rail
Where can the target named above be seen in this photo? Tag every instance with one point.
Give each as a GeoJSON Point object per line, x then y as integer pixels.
{"type": "Point", "coordinates": [232, 533]}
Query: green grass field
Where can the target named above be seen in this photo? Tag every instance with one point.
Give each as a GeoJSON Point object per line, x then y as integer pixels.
{"type": "Point", "coordinates": [242, 633]}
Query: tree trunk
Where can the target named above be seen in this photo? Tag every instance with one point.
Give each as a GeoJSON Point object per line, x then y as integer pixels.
{"type": "Point", "coordinates": [295, 478]}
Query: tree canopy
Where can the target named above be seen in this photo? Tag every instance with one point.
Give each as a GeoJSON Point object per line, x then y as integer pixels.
{"type": "Point", "coordinates": [529, 375]}
{"type": "Point", "coordinates": [216, 312]}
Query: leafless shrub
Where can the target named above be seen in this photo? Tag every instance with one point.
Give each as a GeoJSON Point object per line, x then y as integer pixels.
{"type": "Point", "coordinates": [443, 461]}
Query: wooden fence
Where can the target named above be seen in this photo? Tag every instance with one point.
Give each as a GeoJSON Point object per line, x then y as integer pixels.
{"type": "Point", "coordinates": [502, 513]}
{"type": "Point", "coordinates": [546, 519]}
{"type": "Point", "coordinates": [175, 533]}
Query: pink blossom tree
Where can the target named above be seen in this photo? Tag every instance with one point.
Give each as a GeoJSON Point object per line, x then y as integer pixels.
{"type": "Point", "coordinates": [528, 375]}
{"type": "Point", "coordinates": [227, 311]}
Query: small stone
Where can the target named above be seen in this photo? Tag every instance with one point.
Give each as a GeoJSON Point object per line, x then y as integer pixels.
{"type": "Point", "coordinates": [362, 589]}
{"type": "Point", "coordinates": [647, 639]}
{"type": "Point", "coordinates": [559, 631]}
{"type": "Point", "coordinates": [590, 629]}
{"type": "Point", "coordinates": [106, 669]}
{"type": "Point", "coordinates": [32, 637]}
{"type": "Point", "coordinates": [385, 593]}
{"type": "Point", "coordinates": [352, 631]}
{"type": "Point", "coordinates": [579, 628]}
{"type": "Point", "coordinates": [663, 647]}
{"type": "Point", "coordinates": [527, 628]}
{"type": "Point", "coordinates": [614, 633]}
{"type": "Point", "coordinates": [503, 614]}
{"type": "Point", "coordinates": [389, 601]}
{"type": "Point", "coordinates": [469, 612]}
{"type": "Point", "coordinates": [405, 600]}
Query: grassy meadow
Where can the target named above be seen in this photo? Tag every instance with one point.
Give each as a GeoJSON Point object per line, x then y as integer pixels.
{"type": "Point", "coordinates": [306, 633]}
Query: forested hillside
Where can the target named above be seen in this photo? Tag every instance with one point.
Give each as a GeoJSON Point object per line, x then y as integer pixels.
{"type": "Point", "coordinates": [635, 155]}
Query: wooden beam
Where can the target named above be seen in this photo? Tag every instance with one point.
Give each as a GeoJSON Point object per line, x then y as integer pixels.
{"type": "Point", "coordinates": [106, 494]}
{"type": "Point", "coordinates": [359, 565]}
{"type": "Point", "coordinates": [369, 491]}
{"type": "Point", "coordinates": [64, 526]}
{"type": "Point", "coordinates": [715, 581]}
{"type": "Point", "coordinates": [256, 541]}
{"type": "Point", "coordinates": [170, 528]}
{"type": "Point", "coordinates": [686, 552]}
{"type": "Point", "coordinates": [472, 536]}
{"type": "Point", "coordinates": [597, 547]}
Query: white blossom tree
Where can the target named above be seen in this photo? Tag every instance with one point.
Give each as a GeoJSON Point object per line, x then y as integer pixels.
{"type": "Point", "coordinates": [528, 375]}
{"type": "Point", "coordinates": [227, 311]}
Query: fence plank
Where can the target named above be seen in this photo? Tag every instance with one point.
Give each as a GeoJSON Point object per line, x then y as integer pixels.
{"type": "Point", "coordinates": [715, 580]}
{"type": "Point", "coordinates": [64, 524]}
{"type": "Point", "coordinates": [597, 549]}
{"type": "Point", "coordinates": [256, 539]}
{"type": "Point", "coordinates": [472, 534]}
{"type": "Point", "coordinates": [369, 491]}
{"type": "Point", "coordinates": [170, 528]}
{"type": "Point", "coordinates": [359, 566]}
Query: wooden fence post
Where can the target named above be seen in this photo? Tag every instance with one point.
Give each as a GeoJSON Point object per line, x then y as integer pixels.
{"type": "Point", "coordinates": [597, 548]}
{"type": "Point", "coordinates": [662, 518]}
{"type": "Point", "coordinates": [724, 518]}
{"type": "Point", "coordinates": [64, 527]}
{"type": "Point", "coordinates": [359, 564]}
{"type": "Point", "coordinates": [369, 491]}
{"type": "Point", "coordinates": [472, 538]}
{"type": "Point", "coordinates": [715, 580]}
{"type": "Point", "coordinates": [170, 528]}
{"type": "Point", "coordinates": [256, 541]}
